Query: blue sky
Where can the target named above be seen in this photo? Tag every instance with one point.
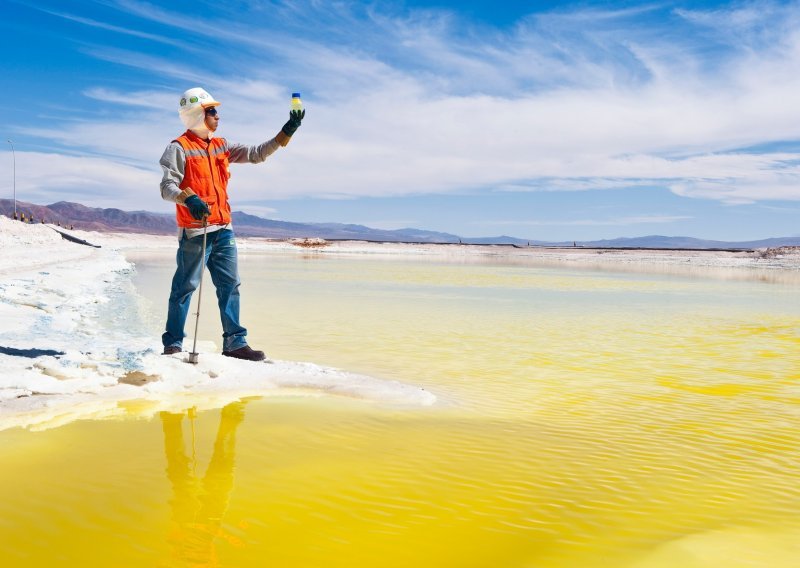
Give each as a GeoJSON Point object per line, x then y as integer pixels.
{"type": "Point", "coordinates": [541, 120]}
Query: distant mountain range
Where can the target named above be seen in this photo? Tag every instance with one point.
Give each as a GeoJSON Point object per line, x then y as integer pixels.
{"type": "Point", "coordinates": [116, 220]}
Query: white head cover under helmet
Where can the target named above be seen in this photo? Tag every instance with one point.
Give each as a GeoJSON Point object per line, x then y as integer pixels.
{"type": "Point", "coordinates": [193, 105]}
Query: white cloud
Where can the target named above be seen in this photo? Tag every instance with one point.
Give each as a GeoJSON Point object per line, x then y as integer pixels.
{"type": "Point", "coordinates": [423, 104]}
{"type": "Point", "coordinates": [154, 100]}
{"type": "Point", "coordinates": [47, 178]}
{"type": "Point", "coordinates": [102, 25]}
{"type": "Point", "coordinates": [257, 210]}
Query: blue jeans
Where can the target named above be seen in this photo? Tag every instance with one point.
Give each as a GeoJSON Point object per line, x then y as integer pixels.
{"type": "Point", "coordinates": [221, 259]}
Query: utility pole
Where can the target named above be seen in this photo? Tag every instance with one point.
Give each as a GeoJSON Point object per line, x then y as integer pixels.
{"type": "Point", "coordinates": [14, 157]}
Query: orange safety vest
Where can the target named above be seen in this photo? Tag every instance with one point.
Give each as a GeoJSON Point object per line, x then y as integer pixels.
{"type": "Point", "coordinates": [207, 174]}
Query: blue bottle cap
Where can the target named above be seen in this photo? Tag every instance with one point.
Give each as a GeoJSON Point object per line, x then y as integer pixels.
{"type": "Point", "coordinates": [295, 95]}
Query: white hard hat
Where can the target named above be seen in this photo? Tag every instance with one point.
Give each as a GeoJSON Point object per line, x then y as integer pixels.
{"type": "Point", "coordinates": [193, 105]}
{"type": "Point", "coordinates": [197, 97]}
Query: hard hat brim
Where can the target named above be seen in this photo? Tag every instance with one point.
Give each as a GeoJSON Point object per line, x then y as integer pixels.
{"type": "Point", "coordinates": [211, 104]}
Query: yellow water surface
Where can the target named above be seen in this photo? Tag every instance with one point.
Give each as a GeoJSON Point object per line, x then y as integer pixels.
{"type": "Point", "coordinates": [585, 418]}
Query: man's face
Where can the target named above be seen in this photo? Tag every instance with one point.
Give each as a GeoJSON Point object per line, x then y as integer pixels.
{"type": "Point", "coordinates": [212, 119]}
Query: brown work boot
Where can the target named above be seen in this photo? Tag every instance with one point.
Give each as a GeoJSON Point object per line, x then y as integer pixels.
{"type": "Point", "coordinates": [246, 353]}
{"type": "Point", "coordinates": [171, 350]}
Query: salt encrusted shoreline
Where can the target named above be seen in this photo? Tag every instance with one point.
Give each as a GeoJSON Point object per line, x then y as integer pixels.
{"type": "Point", "coordinates": [71, 346]}
{"type": "Point", "coordinates": [781, 258]}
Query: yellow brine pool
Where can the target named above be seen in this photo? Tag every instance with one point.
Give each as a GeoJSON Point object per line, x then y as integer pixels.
{"type": "Point", "coordinates": [584, 418]}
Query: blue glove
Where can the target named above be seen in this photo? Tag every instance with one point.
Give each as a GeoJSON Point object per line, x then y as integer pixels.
{"type": "Point", "coordinates": [197, 207]}
{"type": "Point", "coordinates": [295, 118]}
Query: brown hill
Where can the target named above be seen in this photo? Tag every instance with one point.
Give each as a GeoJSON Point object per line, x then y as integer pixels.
{"type": "Point", "coordinates": [93, 219]}
{"type": "Point", "coordinates": [118, 221]}
{"type": "Point", "coordinates": [115, 220]}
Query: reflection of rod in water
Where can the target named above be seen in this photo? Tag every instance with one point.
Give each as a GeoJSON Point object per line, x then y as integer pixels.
{"type": "Point", "coordinates": [198, 507]}
{"type": "Point", "coordinates": [192, 414]}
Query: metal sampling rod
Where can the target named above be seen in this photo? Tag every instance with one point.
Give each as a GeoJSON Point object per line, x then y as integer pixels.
{"type": "Point", "coordinates": [193, 356]}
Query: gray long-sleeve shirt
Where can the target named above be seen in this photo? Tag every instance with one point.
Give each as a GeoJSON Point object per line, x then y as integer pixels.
{"type": "Point", "coordinates": [173, 166]}
{"type": "Point", "coordinates": [173, 163]}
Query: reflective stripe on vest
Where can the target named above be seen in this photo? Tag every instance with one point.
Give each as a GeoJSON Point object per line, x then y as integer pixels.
{"type": "Point", "coordinates": [206, 173]}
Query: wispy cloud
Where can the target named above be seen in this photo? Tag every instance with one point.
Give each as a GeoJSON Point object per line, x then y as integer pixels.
{"type": "Point", "coordinates": [414, 102]}
{"type": "Point", "coordinates": [109, 27]}
{"type": "Point", "coordinates": [258, 210]}
{"type": "Point", "coordinates": [105, 183]}
{"type": "Point", "coordinates": [155, 100]}
{"type": "Point", "coordinates": [162, 67]}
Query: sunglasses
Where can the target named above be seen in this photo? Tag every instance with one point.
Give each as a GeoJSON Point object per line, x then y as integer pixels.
{"type": "Point", "coordinates": [211, 111]}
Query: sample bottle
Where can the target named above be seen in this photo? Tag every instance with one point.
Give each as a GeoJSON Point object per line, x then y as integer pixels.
{"type": "Point", "coordinates": [297, 104]}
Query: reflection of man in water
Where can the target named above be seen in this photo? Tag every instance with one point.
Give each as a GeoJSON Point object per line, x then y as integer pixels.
{"type": "Point", "coordinates": [199, 505]}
